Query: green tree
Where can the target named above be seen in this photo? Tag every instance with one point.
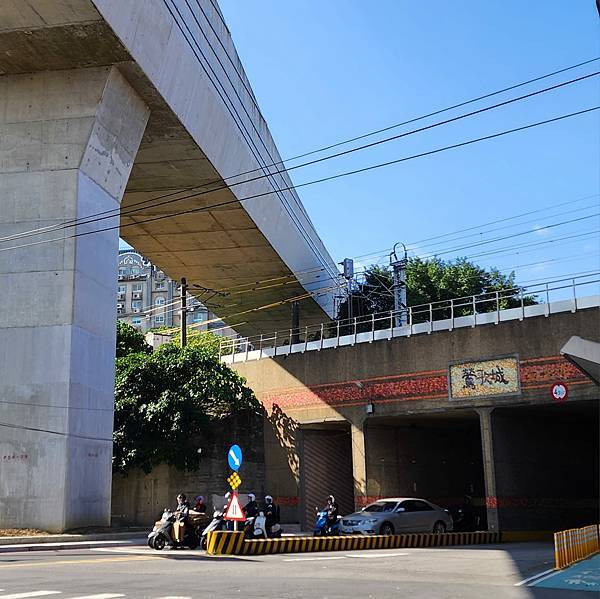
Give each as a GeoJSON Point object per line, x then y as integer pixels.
{"type": "Point", "coordinates": [167, 401]}
{"type": "Point", "coordinates": [433, 280]}
{"type": "Point", "coordinates": [130, 340]}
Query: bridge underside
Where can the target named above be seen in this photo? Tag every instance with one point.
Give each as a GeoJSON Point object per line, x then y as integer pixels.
{"type": "Point", "coordinates": [221, 248]}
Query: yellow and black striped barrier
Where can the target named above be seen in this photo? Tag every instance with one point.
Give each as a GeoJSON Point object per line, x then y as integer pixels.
{"type": "Point", "coordinates": [573, 545]}
{"type": "Point", "coordinates": [223, 543]}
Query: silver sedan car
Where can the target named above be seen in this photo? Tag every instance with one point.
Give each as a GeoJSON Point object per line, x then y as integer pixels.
{"type": "Point", "coordinates": [397, 515]}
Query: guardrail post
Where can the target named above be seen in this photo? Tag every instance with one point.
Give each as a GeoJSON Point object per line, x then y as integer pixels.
{"type": "Point", "coordinates": [391, 325]}
{"type": "Point", "coordinates": [260, 343]}
{"type": "Point", "coordinates": [522, 303]}
{"type": "Point", "coordinates": [321, 341]}
{"type": "Point", "coordinates": [275, 343]}
{"type": "Point", "coordinates": [430, 319]}
{"type": "Point", "coordinates": [574, 297]}
{"type": "Point", "coordinates": [290, 347]}
{"type": "Point", "coordinates": [373, 327]}
{"type": "Point", "coordinates": [337, 344]}
{"type": "Point", "coordinates": [355, 331]}
{"type": "Point", "coordinates": [305, 337]}
{"type": "Point", "coordinates": [474, 301]}
{"type": "Point", "coordinates": [410, 321]}
{"type": "Point", "coordinates": [247, 348]}
{"type": "Point", "coordinates": [451, 314]}
{"type": "Point", "coordinates": [497, 307]}
{"type": "Point", "coordinates": [547, 301]}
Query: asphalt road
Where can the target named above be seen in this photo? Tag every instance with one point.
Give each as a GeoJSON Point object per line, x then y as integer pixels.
{"type": "Point", "coordinates": [478, 572]}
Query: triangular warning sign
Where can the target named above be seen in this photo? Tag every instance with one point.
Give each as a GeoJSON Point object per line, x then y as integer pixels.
{"type": "Point", "coordinates": [234, 509]}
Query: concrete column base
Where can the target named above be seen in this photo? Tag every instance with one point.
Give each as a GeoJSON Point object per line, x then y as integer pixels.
{"type": "Point", "coordinates": [359, 463]}
{"type": "Point", "coordinates": [67, 144]}
{"type": "Point", "coordinates": [489, 468]}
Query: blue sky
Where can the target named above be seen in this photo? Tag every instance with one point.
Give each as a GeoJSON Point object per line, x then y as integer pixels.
{"type": "Point", "coordinates": [328, 70]}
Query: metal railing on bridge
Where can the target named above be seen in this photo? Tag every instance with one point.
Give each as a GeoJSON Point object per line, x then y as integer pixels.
{"type": "Point", "coordinates": [492, 307]}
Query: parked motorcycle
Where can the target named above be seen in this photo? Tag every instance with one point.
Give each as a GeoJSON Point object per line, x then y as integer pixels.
{"type": "Point", "coordinates": [217, 523]}
{"type": "Point", "coordinates": [323, 528]}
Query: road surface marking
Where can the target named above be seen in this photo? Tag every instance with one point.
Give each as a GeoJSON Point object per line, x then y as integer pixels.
{"type": "Point", "coordinates": [376, 555]}
{"type": "Point", "coordinates": [173, 597]}
{"type": "Point", "coordinates": [518, 584]}
{"type": "Point", "coordinates": [554, 573]}
{"type": "Point", "coordinates": [32, 594]}
{"type": "Point", "coordinates": [78, 561]}
{"type": "Point", "coordinates": [313, 559]}
{"type": "Point", "coordinates": [101, 596]}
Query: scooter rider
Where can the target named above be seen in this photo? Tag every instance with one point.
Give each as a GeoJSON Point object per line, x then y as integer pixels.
{"type": "Point", "coordinates": [251, 508]}
{"type": "Point", "coordinates": [182, 512]}
{"type": "Point", "coordinates": [332, 511]}
{"type": "Point", "coordinates": [271, 514]}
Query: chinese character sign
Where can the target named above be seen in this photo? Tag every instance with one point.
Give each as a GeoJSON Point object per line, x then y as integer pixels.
{"type": "Point", "coordinates": [487, 378]}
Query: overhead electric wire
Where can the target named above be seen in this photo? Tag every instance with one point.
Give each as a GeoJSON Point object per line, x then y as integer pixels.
{"type": "Point", "coordinates": [248, 137]}
{"type": "Point", "coordinates": [134, 207]}
{"type": "Point", "coordinates": [323, 179]}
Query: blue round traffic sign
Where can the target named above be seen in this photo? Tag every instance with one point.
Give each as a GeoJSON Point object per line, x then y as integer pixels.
{"type": "Point", "coordinates": [234, 457]}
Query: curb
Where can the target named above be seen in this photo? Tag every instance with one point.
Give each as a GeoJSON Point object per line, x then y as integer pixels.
{"type": "Point", "coordinates": [63, 545]}
{"type": "Point", "coordinates": [233, 543]}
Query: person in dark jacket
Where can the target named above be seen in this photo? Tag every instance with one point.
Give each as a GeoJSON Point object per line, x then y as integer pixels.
{"type": "Point", "coordinates": [251, 508]}
{"type": "Point", "coordinates": [332, 511]}
{"type": "Point", "coordinates": [271, 513]}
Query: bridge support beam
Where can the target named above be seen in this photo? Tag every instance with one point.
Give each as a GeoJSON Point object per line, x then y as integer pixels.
{"type": "Point", "coordinates": [67, 144]}
{"type": "Point", "coordinates": [489, 467]}
{"type": "Point", "coordinates": [359, 462]}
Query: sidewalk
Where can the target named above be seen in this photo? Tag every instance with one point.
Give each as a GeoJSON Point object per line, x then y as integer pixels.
{"type": "Point", "coordinates": [72, 541]}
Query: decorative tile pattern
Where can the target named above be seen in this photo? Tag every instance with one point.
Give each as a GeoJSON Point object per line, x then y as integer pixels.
{"type": "Point", "coordinates": [427, 385]}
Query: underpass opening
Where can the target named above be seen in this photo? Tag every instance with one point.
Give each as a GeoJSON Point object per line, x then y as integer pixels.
{"type": "Point", "coordinates": [546, 465]}
{"type": "Point", "coordinates": [325, 469]}
{"type": "Point", "coordinates": [432, 456]}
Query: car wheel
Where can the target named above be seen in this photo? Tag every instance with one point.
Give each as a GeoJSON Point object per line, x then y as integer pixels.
{"type": "Point", "coordinates": [439, 527]}
{"type": "Point", "coordinates": [159, 542]}
{"type": "Point", "coordinates": [387, 528]}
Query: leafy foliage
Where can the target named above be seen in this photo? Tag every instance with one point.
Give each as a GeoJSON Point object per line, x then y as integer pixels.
{"type": "Point", "coordinates": [433, 280]}
{"type": "Point", "coordinates": [130, 340]}
{"type": "Point", "coordinates": [166, 401]}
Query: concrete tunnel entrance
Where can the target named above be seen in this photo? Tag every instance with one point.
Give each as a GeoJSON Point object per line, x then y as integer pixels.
{"type": "Point", "coordinates": [546, 465]}
{"type": "Point", "coordinates": [433, 456]}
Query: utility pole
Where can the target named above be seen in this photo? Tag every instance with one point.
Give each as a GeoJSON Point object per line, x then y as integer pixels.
{"type": "Point", "coordinates": [295, 338]}
{"type": "Point", "coordinates": [399, 285]}
{"type": "Point", "coordinates": [184, 289]}
{"type": "Point", "coordinates": [348, 266]}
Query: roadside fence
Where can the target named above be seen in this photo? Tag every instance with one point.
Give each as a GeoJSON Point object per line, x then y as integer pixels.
{"type": "Point", "coordinates": [573, 545]}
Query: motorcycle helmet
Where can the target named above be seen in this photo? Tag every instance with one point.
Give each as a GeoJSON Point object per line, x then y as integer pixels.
{"type": "Point", "coordinates": [331, 498]}
{"type": "Point", "coordinates": [251, 497]}
{"type": "Point", "coordinates": [268, 499]}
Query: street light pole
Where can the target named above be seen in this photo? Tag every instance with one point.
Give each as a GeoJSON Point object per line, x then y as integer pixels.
{"type": "Point", "coordinates": [184, 289]}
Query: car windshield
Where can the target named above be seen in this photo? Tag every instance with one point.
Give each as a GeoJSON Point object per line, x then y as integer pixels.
{"type": "Point", "coordinates": [381, 506]}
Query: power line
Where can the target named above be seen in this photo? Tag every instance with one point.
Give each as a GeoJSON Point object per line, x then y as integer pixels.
{"type": "Point", "coordinates": [117, 212]}
{"type": "Point", "coordinates": [323, 179]}
{"type": "Point", "coordinates": [50, 432]}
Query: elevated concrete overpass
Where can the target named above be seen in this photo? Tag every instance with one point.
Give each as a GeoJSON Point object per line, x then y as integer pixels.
{"type": "Point", "coordinates": [105, 104]}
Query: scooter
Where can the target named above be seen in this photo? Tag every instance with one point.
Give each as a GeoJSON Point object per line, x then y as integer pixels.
{"type": "Point", "coordinates": [217, 523]}
{"type": "Point", "coordinates": [256, 528]}
{"type": "Point", "coordinates": [323, 528]}
{"type": "Point", "coordinates": [162, 533]}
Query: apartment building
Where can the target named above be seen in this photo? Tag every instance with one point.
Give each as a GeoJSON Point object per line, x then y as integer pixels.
{"type": "Point", "coordinates": [147, 299]}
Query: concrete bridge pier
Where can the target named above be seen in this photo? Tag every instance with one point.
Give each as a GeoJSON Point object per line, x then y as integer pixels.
{"type": "Point", "coordinates": [67, 144]}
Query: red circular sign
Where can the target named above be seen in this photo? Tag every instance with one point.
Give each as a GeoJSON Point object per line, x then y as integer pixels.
{"type": "Point", "coordinates": [559, 391]}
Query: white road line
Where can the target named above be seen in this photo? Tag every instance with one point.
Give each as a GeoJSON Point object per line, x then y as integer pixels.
{"type": "Point", "coordinates": [32, 594]}
{"type": "Point", "coordinates": [101, 596]}
{"type": "Point", "coordinates": [169, 597]}
{"type": "Point", "coordinates": [376, 555]}
{"type": "Point", "coordinates": [554, 573]}
{"type": "Point", "coordinates": [518, 584]}
{"type": "Point", "coordinates": [312, 559]}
